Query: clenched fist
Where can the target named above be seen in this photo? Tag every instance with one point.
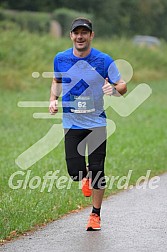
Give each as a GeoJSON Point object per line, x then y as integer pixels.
{"type": "Point", "coordinates": [53, 107]}
{"type": "Point", "coordinates": [108, 88]}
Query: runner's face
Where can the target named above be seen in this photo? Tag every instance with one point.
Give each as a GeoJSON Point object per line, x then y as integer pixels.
{"type": "Point", "coordinates": [81, 38]}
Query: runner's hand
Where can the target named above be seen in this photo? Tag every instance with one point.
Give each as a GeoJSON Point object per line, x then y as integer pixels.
{"type": "Point", "coordinates": [53, 107]}
{"type": "Point", "coordinates": [108, 88]}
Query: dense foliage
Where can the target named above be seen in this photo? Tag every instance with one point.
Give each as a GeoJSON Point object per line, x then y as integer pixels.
{"type": "Point", "coordinates": [113, 17]}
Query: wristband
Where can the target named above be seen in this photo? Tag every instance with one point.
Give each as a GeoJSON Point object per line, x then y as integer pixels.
{"type": "Point", "coordinates": [114, 91]}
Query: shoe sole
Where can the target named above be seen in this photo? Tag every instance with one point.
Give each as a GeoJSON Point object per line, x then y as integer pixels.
{"type": "Point", "coordinates": [93, 229]}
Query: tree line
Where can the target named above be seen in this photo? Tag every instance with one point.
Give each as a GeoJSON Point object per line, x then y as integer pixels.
{"type": "Point", "coordinates": [111, 17]}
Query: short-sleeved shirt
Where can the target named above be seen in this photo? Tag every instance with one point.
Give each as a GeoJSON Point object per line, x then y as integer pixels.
{"type": "Point", "coordinates": [82, 82]}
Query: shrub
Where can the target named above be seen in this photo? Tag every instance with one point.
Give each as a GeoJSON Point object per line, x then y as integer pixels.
{"type": "Point", "coordinates": [65, 17]}
{"type": "Point", "coordinates": [8, 25]}
{"type": "Point", "coordinates": [31, 21]}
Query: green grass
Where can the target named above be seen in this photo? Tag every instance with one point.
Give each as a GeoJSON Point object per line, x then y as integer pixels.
{"type": "Point", "coordinates": [138, 144]}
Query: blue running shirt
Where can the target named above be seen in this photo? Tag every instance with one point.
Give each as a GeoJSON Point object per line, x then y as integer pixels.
{"type": "Point", "coordinates": [82, 82]}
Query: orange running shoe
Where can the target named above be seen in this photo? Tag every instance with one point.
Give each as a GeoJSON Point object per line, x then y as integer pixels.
{"type": "Point", "coordinates": [86, 187]}
{"type": "Point", "coordinates": [93, 223]}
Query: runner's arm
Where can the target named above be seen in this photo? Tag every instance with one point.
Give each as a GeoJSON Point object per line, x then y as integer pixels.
{"type": "Point", "coordinates": [116, 89]}
{"type": "Point", "coordinates": [55, 92]}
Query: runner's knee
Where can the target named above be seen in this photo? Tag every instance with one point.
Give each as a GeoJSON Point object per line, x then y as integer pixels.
{"type": "Point", "coordinates": [96, 173]}
{"type": "Point", "coordinates": [76, 168]}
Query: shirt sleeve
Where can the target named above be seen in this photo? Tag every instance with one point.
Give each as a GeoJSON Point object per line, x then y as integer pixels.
{"type": "Point", "coordinates": [112, 72]}
{"type": "Point", "coordinates": [57, 73]}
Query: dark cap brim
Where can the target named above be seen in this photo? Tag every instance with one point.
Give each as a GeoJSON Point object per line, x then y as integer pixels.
{"type": "Point", "coordinates": [81, 25]}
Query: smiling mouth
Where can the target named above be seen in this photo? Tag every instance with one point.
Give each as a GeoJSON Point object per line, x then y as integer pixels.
{"type": "Point", "coordinates": [80, 42]}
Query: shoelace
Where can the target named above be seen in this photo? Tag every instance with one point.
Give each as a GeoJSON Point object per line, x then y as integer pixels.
{"type": "Point", "coordinates": [95, 218]}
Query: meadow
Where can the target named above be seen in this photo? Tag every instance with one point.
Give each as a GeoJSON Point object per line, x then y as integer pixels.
{"type": "Point", "coordinates": [138, 144]}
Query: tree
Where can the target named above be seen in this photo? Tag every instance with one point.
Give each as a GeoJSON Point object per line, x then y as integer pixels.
{"type": "Point", "coordinates": [112, 17]}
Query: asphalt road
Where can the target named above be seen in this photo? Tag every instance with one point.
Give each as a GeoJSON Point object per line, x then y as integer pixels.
{"type": "Point", "coordinates": [132, 220]}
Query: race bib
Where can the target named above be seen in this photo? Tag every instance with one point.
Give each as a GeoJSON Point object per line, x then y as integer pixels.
{"type": "Point", "coordinates": [82, 104]}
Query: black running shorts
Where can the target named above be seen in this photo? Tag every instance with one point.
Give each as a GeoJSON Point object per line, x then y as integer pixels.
{"type": "Point", "coordinates": [76, 141]}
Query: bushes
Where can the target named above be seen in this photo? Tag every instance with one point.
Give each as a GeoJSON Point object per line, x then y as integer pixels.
{"type": "Point", "coordinates": [8, 25]}
{"type": "Point", "coordinates": [31, 21]}
{"type": "Point", "coordinates": [65, 17]}
{"type": "Point", "coordinates": [38, 21]}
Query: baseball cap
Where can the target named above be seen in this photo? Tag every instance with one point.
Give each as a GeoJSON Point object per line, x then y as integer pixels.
{"type": "Point", "coordinates": [81, 22]}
